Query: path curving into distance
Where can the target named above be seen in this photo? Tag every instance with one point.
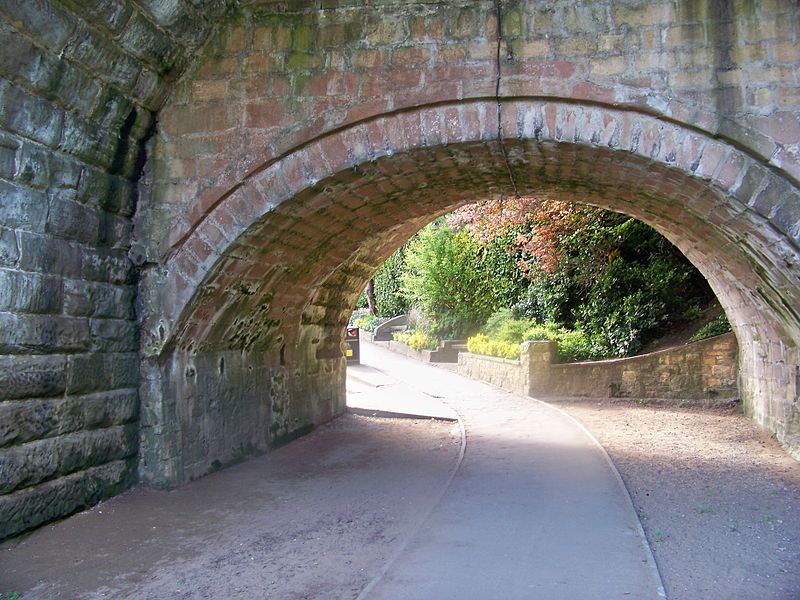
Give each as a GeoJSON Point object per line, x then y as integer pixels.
{"type": "Point", "coordinates": [535, 510]}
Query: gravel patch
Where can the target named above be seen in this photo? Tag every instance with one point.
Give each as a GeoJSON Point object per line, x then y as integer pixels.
{"type": "Point", "coordinates": [719, 498]}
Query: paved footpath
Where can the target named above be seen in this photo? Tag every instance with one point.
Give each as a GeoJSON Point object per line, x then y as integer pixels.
{"type": "Point", "coordinates": [528, 508]}
{"type": "Point", "coordinates": [535, 509]}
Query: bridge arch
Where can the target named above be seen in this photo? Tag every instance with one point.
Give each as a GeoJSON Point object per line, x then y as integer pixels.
{"type": "Point", "coordinates": [242, 331]}
{"type": "Point", "coordinates": [125, 124]}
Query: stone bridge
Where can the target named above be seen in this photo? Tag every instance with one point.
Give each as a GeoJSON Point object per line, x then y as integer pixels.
{"type": "Point", "coordinates": [193, 193]}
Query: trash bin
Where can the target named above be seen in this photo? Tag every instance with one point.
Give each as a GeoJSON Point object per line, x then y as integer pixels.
{"type": "Point", "coordinates": [351, 345]}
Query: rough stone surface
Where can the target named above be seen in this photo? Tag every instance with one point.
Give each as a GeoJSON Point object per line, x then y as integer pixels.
{"type": "Point", "coordinates": [703, 371]}
{"type": "Point", "coordinates": [302, 143]}
{"type": "Point", "coordinates": [79, 85]}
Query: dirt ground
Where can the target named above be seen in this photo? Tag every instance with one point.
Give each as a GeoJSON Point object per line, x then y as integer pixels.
{"type": "Point", "coordinates": [297, 523]}
{"type": "Point", "coordinates": [718, 498]}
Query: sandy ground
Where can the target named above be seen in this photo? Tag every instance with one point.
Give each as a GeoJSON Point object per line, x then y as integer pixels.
{"type": "Point", "coordinates": [718, 498]}
{"type": "Point", "coordinates": [300, 522]}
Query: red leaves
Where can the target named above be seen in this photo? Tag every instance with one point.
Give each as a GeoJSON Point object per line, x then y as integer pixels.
{"type": "Point", "coordinates": [541, 225]}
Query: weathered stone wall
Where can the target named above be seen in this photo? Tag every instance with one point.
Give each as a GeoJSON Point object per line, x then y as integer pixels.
{"type": "Point", "coordinates": [307, 142]}
{"type": "Point", "coordinates": [510, 375]}
{"type": "Point", "coordinates": [704, 370]}
{"type": "Point", "coordinates": [80, 83]}
{"type": "Point", "coordinates": [701, 371]}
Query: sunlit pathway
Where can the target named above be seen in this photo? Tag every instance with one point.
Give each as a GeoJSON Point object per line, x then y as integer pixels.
{"type": "Point", "coordinates": [534, 511]}
{"type": "Point", "coordinates": [368, 508]}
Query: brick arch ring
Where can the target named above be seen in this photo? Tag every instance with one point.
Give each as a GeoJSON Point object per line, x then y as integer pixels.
{"type": "Point", "coordinates": [278, 260]}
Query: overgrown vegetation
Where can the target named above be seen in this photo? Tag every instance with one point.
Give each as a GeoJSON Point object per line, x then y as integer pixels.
{"type": "Point", "coordinates": [718, 326]}
{"type": "Point", "coordinates": [416, 339]}
{"type": "Point", "coordinates": [598, 283]}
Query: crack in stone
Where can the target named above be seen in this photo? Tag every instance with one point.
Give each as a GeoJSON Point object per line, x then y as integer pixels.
{"type": "Point", "coordinates": [499, 10]}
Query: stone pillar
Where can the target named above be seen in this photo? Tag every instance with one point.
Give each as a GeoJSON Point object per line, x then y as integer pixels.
{"type": "Point", "coordinates": [537, 357]}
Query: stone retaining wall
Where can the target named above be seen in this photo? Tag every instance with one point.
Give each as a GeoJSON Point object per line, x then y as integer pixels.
{"type": "Point", "coordinates": [507, 374]}
{"type": "Point", "coordinates": [705, 370]}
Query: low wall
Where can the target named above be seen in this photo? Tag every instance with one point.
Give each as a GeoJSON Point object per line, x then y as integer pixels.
{"type": "Point", "coordinates": [507, 374]}
{"type": "Point", "coordinates": [705, 370]}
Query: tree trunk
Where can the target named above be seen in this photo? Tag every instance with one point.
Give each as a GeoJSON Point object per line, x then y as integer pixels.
{"type": "Point", "coordinates": [371, 297]}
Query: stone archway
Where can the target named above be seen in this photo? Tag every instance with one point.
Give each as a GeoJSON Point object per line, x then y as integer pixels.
{"type": "Point", "coordinates": [248, 308]}
{"type": "Point", "coordinates": [135, 134]}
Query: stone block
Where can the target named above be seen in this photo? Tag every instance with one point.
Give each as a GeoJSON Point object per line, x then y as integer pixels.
{"type": "Point", "coordinates": [143, 40]}
{"type": "Point", "coordinates": [45, 254]}
{"type": "Point", "coordinates": [31, 463]}
{"type": "Point", "coordinates": [89, 142]}
{"type": "Point", "coordinates": [87, 374]}
{"type": "Point", "coordinates": [44, 20]}
{"type": "Point", "coordinates": [22, 59]}
{"type": "Point", "coordinates": [91, 299]}
{"type": "Point", "coordinates": [111, 14]}
{"type": "Point", "coordinates": [29, 292]}
{"type": "Point", "coordinates": [21, 334]}
{"type": "Point", "coordinates": [99, 55]}
{"type": "Point", "coordinates": [74, 221]}
{"type": "Point", "coordinates": [29, 115]}
{"type": "Point", "coordinates": [114, 335]}
{"type": "Point", "coordinates": [108, 265]}
{"type": "Point", "coordinates": [8, 153]}
{"type": "Point", "coordinates": [9, 248]}
{"type": "Point", "coordinates": [32, 376]}
{"type": "Point", "coordinates": [22, 207]}
{"type": "Point", "coordinates": [31, 507]}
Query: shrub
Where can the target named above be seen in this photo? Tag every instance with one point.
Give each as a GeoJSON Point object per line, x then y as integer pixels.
{"type": "Point", "coordinates": [503, 334]}
{"type": "Point", "coordinates": [389, 298]}
{"type": "Point", "coordinates": [504, 327]}
{"type": "Point", "coordinates": [368, 322]}
{"type": "Point", "coordinates": [483, 344]}
{"type": "Point", "coordinates": [457, 282]}
{"type": "Point", "coordinates": [718, 326]}
{"type": "Point", "coordinates": [416, 339]}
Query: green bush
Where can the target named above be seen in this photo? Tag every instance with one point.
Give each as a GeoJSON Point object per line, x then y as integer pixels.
{"type": "Point", "coordinates": [504, 327]}
{"type": "Point", "coordinates": [713, 328]}
{"type": "Point", "coordinates": [389, 298]}
{"type": "Point", "coordinates": [457, 282]}
{"type": "Point", "coordinates": [629, 304]}
{"type": "Point", "coordinates": [416, 339]}
{"type": "Point", "coordinates": [482, 344]}
{"type": "Point", "coordinates": [368, 322]}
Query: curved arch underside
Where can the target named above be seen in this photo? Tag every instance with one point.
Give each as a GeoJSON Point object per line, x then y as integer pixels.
{"type": "Point", "coordinates": [269, 276]}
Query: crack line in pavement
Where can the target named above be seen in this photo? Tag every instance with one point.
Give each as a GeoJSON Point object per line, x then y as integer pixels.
{"type": "Point", "coordinates": [413, 533]}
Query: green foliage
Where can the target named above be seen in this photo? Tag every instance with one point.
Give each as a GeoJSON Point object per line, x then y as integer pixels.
{"type": "Point", "coordinates": [713, 328]}
{"type": "Point", "coordinates": [504, 327]}
{"type": "Point", "coordinates": [362, 301]}
{"type": "Point", "coordinates": [416, 339]}
{"type": "Point", "coordinates": [389, 298]}
{"type": "Point", "coordinates": [482, 344]}
{"type": "Point", "coordinates": [629, 303]}
{"type": "Point", "coordinates": [457, 282]}
{"type": "Point", "coordinates": [603, 283]}
{"type": "Point", "coordinates": [368, 322]}
{"type": "Point", "coordinates": [503, 330]}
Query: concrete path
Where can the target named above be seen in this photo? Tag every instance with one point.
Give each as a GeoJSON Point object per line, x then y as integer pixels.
{"type": "Point", "coordinates": [536, 509]}
{"type": "Point", "coordinates": [368, 508]}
